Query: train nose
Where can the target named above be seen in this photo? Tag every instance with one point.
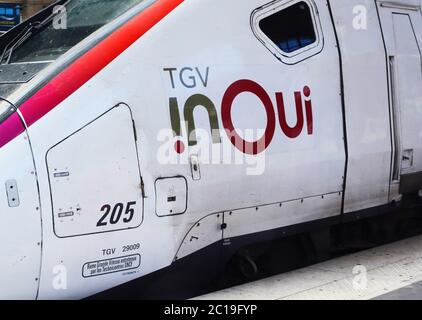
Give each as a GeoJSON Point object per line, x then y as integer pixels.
{"type": "Point", "coordinates": [20, 227]}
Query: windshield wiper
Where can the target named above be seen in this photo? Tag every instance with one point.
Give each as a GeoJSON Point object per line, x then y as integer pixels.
{"type": "Point", "coordinates": [17, 41]}
{"type": "Point", "coordinates": [26, 33]}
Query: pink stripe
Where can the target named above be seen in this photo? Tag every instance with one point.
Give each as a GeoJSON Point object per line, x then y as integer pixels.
{"type": "Point", "coordinates": [10, 129]}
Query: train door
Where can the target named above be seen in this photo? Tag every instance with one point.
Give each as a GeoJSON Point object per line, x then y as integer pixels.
{"type": "Point", "coordinates": [401, 26]}
{"type": "Point", "coordinates": [97, 206]}
{"type": "Point", "coordinates": [95, 177]}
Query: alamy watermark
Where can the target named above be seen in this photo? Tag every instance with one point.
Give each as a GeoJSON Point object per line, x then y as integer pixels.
{"type": "Point", "coordinates": [360, 280]}
{"type": "Point", "coordinates": [360, 17]}
{"type": "Point", "coordinates": [60, 17]}
{"type": "Point", "coordinates": [59, 277]}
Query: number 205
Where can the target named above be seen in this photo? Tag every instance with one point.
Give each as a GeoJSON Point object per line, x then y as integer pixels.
{"type": "Point", "coordinates": [113, 215]}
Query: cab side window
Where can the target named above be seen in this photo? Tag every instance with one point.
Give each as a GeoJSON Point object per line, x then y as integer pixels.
{"type": "Point", "coordinates": [291, 31]}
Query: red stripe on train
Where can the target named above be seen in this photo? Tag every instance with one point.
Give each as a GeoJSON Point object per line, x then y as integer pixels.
{"type": "Point", "coordinates": [10, 129]}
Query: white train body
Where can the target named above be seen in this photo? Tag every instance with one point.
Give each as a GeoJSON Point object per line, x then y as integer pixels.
{"type": "Point", "coordinates": [101, 184]}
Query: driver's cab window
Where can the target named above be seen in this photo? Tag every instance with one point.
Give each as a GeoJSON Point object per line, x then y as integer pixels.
{"type": "Point", "coordinates": [289, 29]}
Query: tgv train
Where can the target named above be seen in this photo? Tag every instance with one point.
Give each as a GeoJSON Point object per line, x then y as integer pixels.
{"type": "Point", "coordinates": [141, 139]}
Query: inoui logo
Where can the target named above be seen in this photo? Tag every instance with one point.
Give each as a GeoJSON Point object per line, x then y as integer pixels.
{"type": "Point", "coordinates": [303, 106]}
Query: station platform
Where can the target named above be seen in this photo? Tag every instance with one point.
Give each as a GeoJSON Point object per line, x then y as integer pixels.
{"type": "Point", "coordinates": [390, 272]}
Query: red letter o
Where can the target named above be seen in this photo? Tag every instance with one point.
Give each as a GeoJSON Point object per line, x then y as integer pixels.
{"type": "Point", "coordinates": [232, 92]}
